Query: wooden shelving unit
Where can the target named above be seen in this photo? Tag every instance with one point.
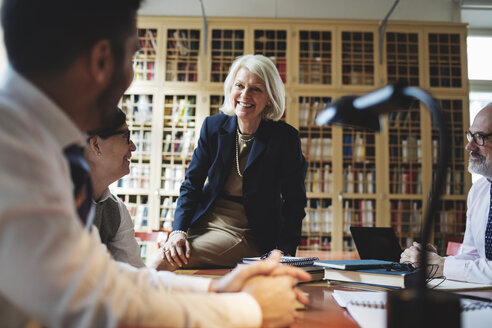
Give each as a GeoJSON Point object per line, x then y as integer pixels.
{"type": "Point", "coordinates": [354, 177]}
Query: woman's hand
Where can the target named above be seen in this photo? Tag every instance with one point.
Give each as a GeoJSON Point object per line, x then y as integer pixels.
{"type": "Point", "coordinates": [177, 250]}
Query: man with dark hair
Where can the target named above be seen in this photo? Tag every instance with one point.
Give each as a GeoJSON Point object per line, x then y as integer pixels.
{"type": "Point", "coordinates": [70, 62]}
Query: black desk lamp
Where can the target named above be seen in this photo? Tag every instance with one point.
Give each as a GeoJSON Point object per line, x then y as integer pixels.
{"type": "Point", "coordinates": [416, 306]}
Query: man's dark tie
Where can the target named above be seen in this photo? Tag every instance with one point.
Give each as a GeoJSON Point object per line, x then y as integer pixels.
{"type": "Point", "coordinates": [488, 231]}
{"type": "Point", "coordinates": [82, 186]}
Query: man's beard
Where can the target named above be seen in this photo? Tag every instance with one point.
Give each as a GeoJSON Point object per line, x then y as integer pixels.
{"type": "Point", "coordinates": [479, 166]}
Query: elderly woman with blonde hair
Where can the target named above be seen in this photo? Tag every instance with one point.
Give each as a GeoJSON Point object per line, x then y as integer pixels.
{"type": "Point", "coordinates": [243, 193]}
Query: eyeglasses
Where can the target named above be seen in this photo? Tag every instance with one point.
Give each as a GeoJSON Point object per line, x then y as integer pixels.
{"type": "Point", "coordinates": [125, 133]}
{"type": "Point", "coordinates": [478, 138]}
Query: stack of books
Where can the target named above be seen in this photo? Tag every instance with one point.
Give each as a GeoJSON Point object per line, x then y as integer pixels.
{"type": "Point", "coordinates": [371, 272]}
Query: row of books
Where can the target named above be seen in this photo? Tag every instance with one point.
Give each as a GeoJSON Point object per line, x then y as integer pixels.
{"type": "Point", "coordinates": [358, 212]}
{"type": "Point", "coordinates": [179, 143]}
{"type": "Point", "coordinates": [143, 144]}
{"type": "Point", "coordinates": [138, 178]}
{"type": "Point", "coordinates": [348, 244]}
{"type": "Point", "coordinates": [354, 76]}
{"type": "Point", "coordinates": [173, 177]}
{"type": "Point", "coordinates": [182, 113]}
{"type": "Point", "coordinates": [316, 148]}
{"type": "Point", "coordinates": [406, 182]}
{"type": "Point", "coordinates": [359, 181]}
{"type": "Point", "coordinates": [308, 111]}
{"type": "Point", "coordinates": [144, 76]}
{"type": "Point", "coordinates": [355, 146]}
{"type": "Point", "coordinates": [455, 184]}
{"type": "Point", "coordinates": [147, 39]}
{"type": "Point", "coordinates": [315, 243]}
{"type": "Point", "coordinates": [185, 41]}
{"type": "Point", "coordinates": [168, 207]}
{"type": "Point", "coordinates": [319, 179]}
{"type": "Point", "coordinates": [405, 149]}
{"type": "Point", "coordinates": [138, 108]}
{"type": "Point", "coordinates": [144, 70]}
{"type": "Point", "coordinates": [318, 220]}
{"type": "Point", "coordinates": [143, 65]}
{"type": "Point", "coordinates": [139, 214]}
{"type": "Point", "coordinates": [406, 216]}
{"type": "Point", "coordinates": [183, 71]}
{"type": "Point", "coordinates": [451, 221]}
{"type": "Point", "coordinates": [313, 71]}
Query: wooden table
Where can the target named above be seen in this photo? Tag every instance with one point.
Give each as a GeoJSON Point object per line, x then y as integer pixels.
{"type": "Point", "coordinates": [323, 310]}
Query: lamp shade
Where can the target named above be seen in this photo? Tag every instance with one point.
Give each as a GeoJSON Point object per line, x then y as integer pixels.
{"type": "Point", "coordinates": [364, 111]}
{"type": "Point", "coordinates": [343, 112]}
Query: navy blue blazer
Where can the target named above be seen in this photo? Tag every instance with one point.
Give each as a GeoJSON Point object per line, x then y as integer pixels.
{"type": "Point", "coordinates": [274, 195]}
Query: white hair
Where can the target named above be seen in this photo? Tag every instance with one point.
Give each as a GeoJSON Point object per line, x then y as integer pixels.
{"type": "Point", "coordinates": [266, 70]}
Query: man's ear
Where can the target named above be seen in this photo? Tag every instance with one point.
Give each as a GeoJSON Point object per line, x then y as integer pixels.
{"type": "Point", "coordinates": [102, 62]}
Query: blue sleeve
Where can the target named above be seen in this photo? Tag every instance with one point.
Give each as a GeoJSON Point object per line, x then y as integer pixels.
{"type": "Point", "coordinates": [293, 194]}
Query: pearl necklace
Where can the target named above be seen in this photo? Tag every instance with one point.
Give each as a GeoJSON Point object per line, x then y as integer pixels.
{"type": "Point", "coordinates": [245, 143]}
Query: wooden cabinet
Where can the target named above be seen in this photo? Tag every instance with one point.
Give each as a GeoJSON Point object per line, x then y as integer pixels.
{"type": "Point", "coordinates": [354, 177]}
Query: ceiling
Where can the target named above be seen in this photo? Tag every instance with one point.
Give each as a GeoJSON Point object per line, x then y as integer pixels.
{"type": "Point", "coordinates": [477, 13]}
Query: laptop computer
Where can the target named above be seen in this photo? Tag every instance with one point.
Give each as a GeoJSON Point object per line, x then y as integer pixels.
{"type": "Point", "coordinates": [376, 243]}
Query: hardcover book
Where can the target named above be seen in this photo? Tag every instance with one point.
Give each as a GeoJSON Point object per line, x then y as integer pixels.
{"type": "Point", "coordinates": [353, 264]}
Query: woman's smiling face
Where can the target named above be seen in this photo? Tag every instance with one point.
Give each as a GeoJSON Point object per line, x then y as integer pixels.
{"type": "Point", "coordinates": [249, 96]}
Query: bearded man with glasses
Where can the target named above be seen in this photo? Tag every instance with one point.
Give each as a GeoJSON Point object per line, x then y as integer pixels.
{"type": "Point", "coordinates": [473, 263]}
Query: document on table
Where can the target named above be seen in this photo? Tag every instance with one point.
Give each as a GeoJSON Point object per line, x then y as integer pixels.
{"type": "Point", "coordinates": [438, 283]}
{"type": "Point", "coordinates": [369, 309]}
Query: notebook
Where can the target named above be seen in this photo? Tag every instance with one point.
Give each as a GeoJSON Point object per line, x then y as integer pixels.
{"type": "Point", "coordinates": [353, 264]}
{"type": "Point", "coordinates": [376, 243]}
{"type": "Point", "coordinates": [369, 309]}
{"type": "Point", "coordinates": [291, 260]}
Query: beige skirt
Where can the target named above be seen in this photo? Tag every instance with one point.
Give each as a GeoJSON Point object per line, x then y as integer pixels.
{"type": "Point", "coordinates": [222, 237]}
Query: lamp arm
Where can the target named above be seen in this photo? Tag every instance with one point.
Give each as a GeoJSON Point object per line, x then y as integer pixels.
{"type": "Point", "coordinates": [438, 186]}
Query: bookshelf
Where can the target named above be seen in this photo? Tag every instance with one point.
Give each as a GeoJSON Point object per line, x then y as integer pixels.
{"type": "Point", "coordinates": [354, 177]}
{"type": "Point", "coordinates": [145, 58]}
{"type": "Point", "coordinates": [226, 44]}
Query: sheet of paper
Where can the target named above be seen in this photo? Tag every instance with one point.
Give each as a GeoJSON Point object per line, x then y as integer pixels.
{"type": "Point", "coordinates": [455, 285]}
{"type": "Point", "coordinates": [368, 309]}
{"type": "Point", "coordinates": [344, 297]}
{"type": "Point", "coordinates": [368, 317]}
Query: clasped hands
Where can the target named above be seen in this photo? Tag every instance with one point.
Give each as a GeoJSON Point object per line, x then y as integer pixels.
{"type": "Point", "coordinates": [412, 255]}
{"type": "Point", "coordinates": [271, 284]}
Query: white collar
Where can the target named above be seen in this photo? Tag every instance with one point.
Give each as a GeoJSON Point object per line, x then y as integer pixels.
{"type": "Point", "coordinates": [25, 94]}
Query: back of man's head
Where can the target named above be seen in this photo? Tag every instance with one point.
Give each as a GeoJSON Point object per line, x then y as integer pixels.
{"type": "Point", "coordinates": [46, 36]}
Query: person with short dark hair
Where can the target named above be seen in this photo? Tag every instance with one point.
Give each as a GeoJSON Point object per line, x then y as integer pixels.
{"type": "Point", "coordinates": [108, 153]}
{"type": "Point", "coordinates": [70, 62]}
{"type": "Point", "coordinates": [254, 197]}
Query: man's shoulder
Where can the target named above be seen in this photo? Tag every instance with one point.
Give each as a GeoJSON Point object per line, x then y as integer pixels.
{"type": "Point", "coordinates": [481, 183]}
{"type": "Point", "coordinates": [19, 129]}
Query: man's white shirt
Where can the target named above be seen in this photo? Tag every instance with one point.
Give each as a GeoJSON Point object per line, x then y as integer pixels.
{"type": "Point", "coordinates": [55, 271]}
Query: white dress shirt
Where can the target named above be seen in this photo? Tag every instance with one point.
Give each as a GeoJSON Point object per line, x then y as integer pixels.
{"type": "Point", "coordinates": [471, 264]}
{"type": "Point", "coordinates": [123, 247]}
{"type": "Point", "coordinates": [55, 271]}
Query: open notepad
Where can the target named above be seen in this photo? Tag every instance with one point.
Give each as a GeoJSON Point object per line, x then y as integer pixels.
{"type": "Point", "coordinates": [369, 309]}
{"type": "Point", "coordinates": [291, 260]}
